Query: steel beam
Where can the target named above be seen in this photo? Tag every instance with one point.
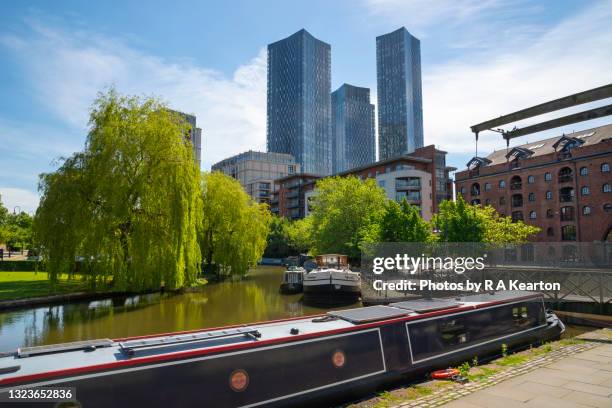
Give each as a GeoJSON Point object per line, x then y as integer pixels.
{"type": "Point", "coordinates": [563, 121]}
{"type": "Point", "coordinates": [580, 98]}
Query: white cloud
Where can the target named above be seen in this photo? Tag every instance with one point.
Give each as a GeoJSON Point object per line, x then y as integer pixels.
{"type": "Point", "coordinates": [25, 200]}
{"type": "Point", "coordinates": [76, 65]}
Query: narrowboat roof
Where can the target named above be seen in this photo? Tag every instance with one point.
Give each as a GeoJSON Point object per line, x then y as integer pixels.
{"type": "Point", "coordinates": [69, 359]}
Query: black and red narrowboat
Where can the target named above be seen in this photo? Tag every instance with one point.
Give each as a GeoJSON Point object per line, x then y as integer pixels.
{"type": "Point", "coordinates": [309, 361]}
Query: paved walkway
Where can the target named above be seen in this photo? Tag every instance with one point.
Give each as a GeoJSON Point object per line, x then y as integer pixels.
{"type": "Point", "coordinates": [580, 380]}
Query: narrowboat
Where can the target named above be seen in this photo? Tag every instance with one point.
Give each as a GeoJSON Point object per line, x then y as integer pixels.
{"type": "Point", "coordinates": [293, 279]}
{"type": "Point", "coordinates": [307, 361]}
{"type": "Point", "coordinates": [332, 280]}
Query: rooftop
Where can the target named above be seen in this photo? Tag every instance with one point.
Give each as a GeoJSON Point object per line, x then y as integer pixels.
{"type": "Point", "coordinates": [546, 146]}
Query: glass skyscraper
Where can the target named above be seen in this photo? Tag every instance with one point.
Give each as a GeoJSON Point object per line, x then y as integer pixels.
{"type": "Point", "coordinates": [353, 135]}
{"type": "Point", "coordinates": [400, 109]}
{"type": "Point", "coordinates": [299, 101]}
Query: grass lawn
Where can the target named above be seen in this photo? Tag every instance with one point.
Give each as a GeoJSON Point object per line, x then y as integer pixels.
{"type": "Point", "coordinates": [20, 285]}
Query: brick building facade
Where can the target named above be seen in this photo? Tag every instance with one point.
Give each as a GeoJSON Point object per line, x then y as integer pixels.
{"type": "Point", "coordinates": [422, 178]}
{"type": "Point", "coordinates": [563, 185]}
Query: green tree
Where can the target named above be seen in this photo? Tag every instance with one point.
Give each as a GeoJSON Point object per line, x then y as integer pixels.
{"type": "Point", "coordinates": [500, 229]}
{"type": "Point", "coordinates": [4, 228]}
{"type": "Point", "coordinates": [402, 222]}
{"type": "Point", "coordinates": [278, 239]}
{"type": "Point", "coordinates": [234, 229]}
{"type": "Point", "coordinates": [19, 227]}
{"type": "Point", "coordinates": [459, 221]}
{"type": "Point", "coordinates": [129, 204]}
{"type": "Point", "coordinates": [299, 233]}
{"type": "Point", "coordinates": [345, 212]}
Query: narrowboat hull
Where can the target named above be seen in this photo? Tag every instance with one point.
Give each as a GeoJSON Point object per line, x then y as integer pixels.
{"type": "Point", "coordinates": [316, 362]}
{"type": "Point", "coordinates": [288, 288]}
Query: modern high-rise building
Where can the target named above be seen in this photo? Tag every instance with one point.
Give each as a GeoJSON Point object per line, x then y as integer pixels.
{"type": "Point", "coordinates": [353, 135]}
{"type": "Point", "coordinates": [194, 136]}
{"type": "Point", "coordinates": [256, 171]}
{"type": "Point", "coordinates": [400, 109]}
{"type": "Point", "coordinates": [299, 101]}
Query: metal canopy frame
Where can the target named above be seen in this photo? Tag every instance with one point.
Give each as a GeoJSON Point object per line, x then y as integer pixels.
{"type": "Point", "coordinates": [579, 98]}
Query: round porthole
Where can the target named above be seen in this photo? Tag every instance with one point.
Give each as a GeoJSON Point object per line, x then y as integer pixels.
{"type": "Point", "coordinates": [239, 380]}
{"type": "Point", "coordinates": [338, 359]}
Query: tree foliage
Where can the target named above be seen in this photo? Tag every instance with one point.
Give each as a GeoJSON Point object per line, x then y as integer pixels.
{"type": "Point", "coordinates": [345, 212]}
{"type": "Point", "coordinates": [300, 235]}
{"type": "Point", "coordinates": [15, 229]}
{"type": "Point", "coordinates": [4, 227]}
{"type": "Point", "coordinates": [278, 239]}
{"type": "Point", "coordinates": [128, 205]}
{"type": "Point", "coordinates": [402, 222]}
{"type": "Point", "coordinates": [458, 221]}
{"type": "Point", "coordinates": [235, 228]}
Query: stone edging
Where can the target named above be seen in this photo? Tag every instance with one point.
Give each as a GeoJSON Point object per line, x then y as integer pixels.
{"type": "Point", "coordinates": [456, 391]}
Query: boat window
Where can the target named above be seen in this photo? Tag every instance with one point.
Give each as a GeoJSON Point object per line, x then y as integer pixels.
{"type": "Point", "coordinates": [452, 333]}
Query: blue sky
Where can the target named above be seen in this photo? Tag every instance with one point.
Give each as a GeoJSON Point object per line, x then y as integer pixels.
{"type": "Point", "coordinates": [480, 59]}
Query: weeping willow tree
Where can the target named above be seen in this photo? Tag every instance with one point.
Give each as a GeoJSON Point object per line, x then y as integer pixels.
{"type": "Point", "coordinates": [128, 206]}
{"type": "Point", "coordinates": [234, 230]}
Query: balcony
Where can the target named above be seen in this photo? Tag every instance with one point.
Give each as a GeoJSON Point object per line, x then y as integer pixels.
{"type": "Point", "coordinates": [411, 197]}
{"type": "Point", "coordinates": [567, 214]}
{"type": "Point", "coordinates": [565, 175]}
{"type": "Point", "coordinates": [292, 204]}
{"type": "Point", "coordinates": [566, 195]}
{"type": "Point", "coordinates": [516, 183]}
{"type": "Point", "coordinates": [517, 201]}
{"type": "Point", "coordinates": [517, 216]}
{"type": "Point", "coordinates": [407, 184]}
{"type": "Point", "coordinates": [292, 194]}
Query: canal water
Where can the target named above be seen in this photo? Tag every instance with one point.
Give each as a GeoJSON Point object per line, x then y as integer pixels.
{"type": "Point", "coordinates": [253, 299]}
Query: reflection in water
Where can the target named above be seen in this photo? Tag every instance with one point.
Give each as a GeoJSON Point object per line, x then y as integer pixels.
{"type": "Point", "coordinates": [251, 300]}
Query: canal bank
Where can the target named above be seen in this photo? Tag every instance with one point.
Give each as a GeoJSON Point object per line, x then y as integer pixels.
{"type": "Point", "coordinates": [572, 372]}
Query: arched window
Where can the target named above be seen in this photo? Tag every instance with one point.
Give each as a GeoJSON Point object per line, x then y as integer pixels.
{"type": "Point", "coordinates": [462, 190]}
{"type": "Point", "coordinates": [550, 232]}
{"type": "Point", "coordinates": [502, 183]}
{"type": "Point", "coordinates": [549, 213]}
{"type": "Point", "coordinates": [584, 171]}
{"type": "Point", "coordinates": [549, 195]}
{"type": "Point", "coordinates": [476, 201]}
{"type": "Point", "coordinates": [547, 177]}
{"type": "Point", "coordinates": [586, 210]}
{"type": "Point", "coordinates": [606, 188]}
{"type": "Point", "coordinates": [605, 167]}
{"type": "Point", "coordinates": [475, 190]}
{"type": "Point", "coordinates": [516, 183]}
{"type": "Point", "coordinates": [532, 215]}
{"type": "Point", "coordinates": [565, 174]}
{"type": "Point", "coordinates": [585, 190]}
{"type": "Point", "coordinates": [517, 200]}
{"type": "Point", "coordinates": [488, 201]}
{"type": "Point", "coordinates": [531, 179]}
{"type": "Point", "coordinates": [607, 207]}
{"type": "Point", "coordinates": [568, 233]}
{"type": "Point", "coordinates": [502, 200]}
{"type": "Point", "coordinates": [531, 197]}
